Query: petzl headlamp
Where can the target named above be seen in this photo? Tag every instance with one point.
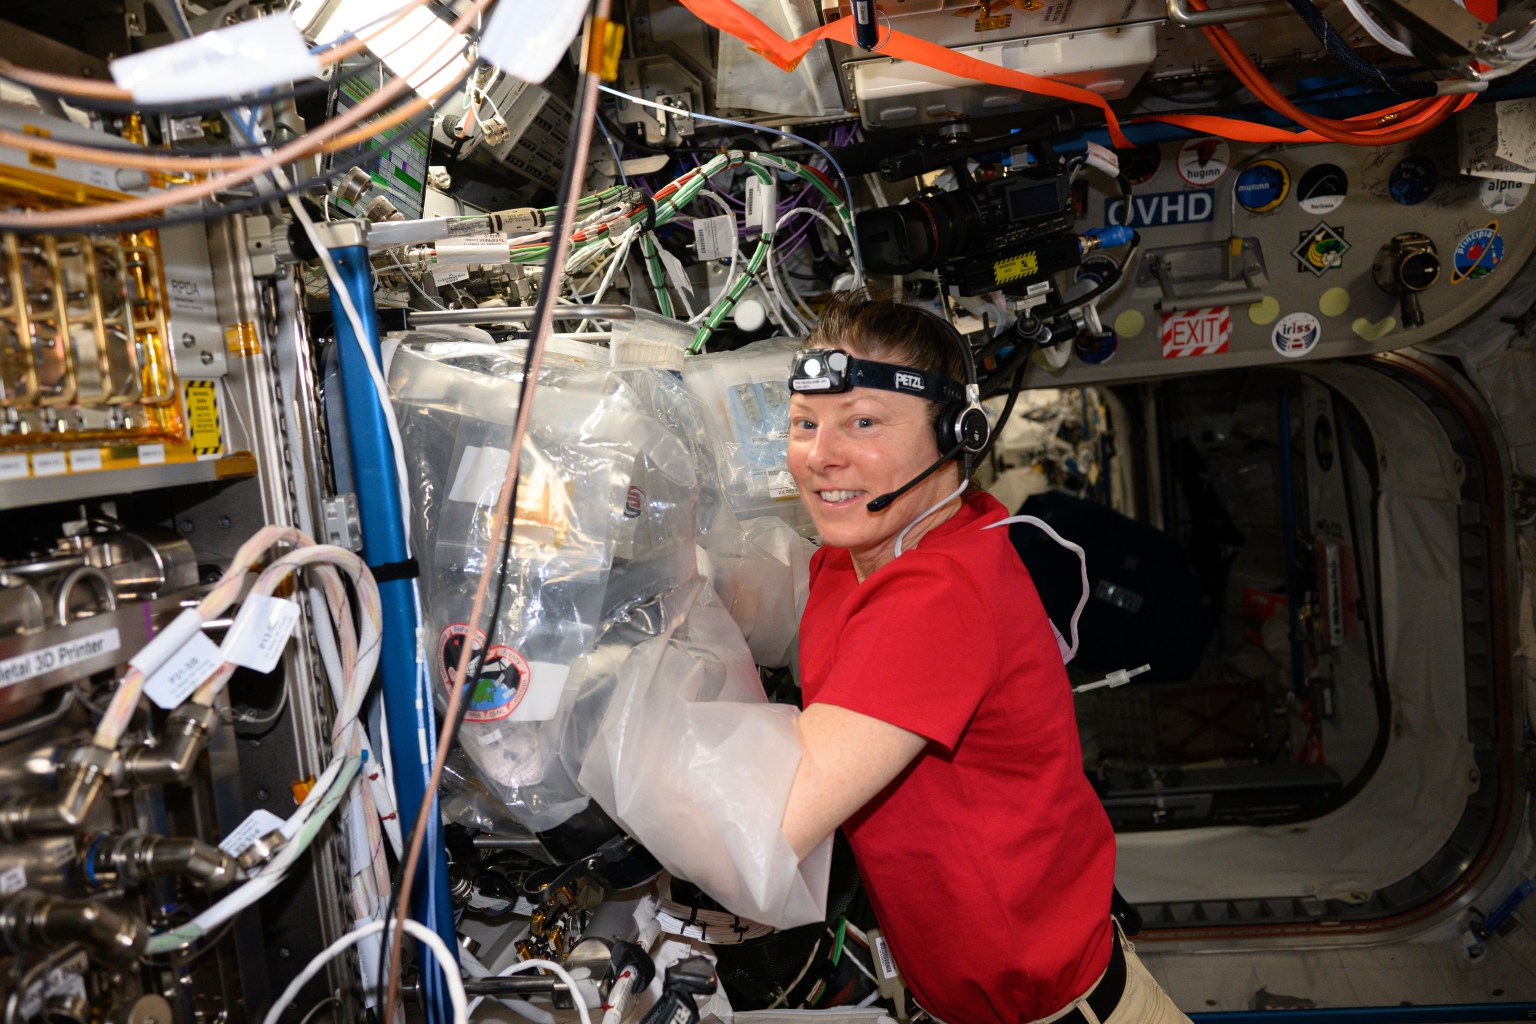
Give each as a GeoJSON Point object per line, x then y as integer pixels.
{"type": "Point", "coordinates": [831, 370]}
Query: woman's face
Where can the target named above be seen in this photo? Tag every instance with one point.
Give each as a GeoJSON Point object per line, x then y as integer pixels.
{"type": "Point", "coordinates": [847, 449]}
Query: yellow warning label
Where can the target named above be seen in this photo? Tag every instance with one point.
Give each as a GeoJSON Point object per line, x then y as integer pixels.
{"type": "Point", "coordinates": [1016, 268]}
{"type": "Point", "coordinates": [202, 399]}
{"type": "Point", "coordinates": [33, 156]}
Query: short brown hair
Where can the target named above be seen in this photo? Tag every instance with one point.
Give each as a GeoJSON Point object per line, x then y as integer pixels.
{"type": "Point", "coordinates": [882, 329]}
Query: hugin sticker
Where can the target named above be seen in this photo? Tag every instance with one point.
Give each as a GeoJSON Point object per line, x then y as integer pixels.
{"type": "Point", "coordinates": [1500, 196]}
{"type": "Point", "coordinates": [1296, 334]}
{"type": "Point", "coordinates": [1322, 189]}
{"type": "Point", "coordinates": [1204, 161]}
{"type": "Point", "coordinates": [1413, 180]}
{"type": "Point", "coordinates": [1478, 254]}
{"type": "Point", "coordinates": [500, 685]}
{"type": "Point", "coordinates": [1196, 332]}
{"type": "Point", "coordinates": [1262, 186]}
{"type": "Point", "coordinates": [1320, 250]}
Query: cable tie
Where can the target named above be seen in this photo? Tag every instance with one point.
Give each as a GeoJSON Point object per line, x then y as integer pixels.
{"type": "Point", "coordinates": [390, 571]}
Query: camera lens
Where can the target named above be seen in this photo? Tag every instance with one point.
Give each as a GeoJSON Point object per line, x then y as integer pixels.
{"type": "Point", "coordinates": [917, 235]}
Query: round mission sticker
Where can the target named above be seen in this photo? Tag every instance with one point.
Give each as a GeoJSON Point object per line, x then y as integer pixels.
{"type": "Point", "coordinates": [1478, 253]}
{"type": "Point", "coordinates": [1296, 334]}
{"type": "Point", "coordinates": [1262, 186]}
{"type": "Point", "coordinates": [1500, 196]}
{"type": "Point", "coordinates": [1413, 180]}
{"type": "Point", "coordinates": [1203, 161]}
{"type": "Point", "coordinates": [501, 683]}
{"type": "Point", "coordinates": [1322, 188]}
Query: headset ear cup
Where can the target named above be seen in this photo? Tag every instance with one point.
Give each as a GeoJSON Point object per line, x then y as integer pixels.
{"type": "Point", "coordinates": [946, 428]}
{"type": "Point", "coordinates": [974, 429]}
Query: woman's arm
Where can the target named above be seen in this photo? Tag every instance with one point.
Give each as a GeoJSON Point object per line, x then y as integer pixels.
{"type": "Point", "coordinates": [846, 758]}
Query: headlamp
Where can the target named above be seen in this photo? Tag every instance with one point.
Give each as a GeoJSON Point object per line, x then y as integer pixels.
{"type": "Point", "coordinates": [832, 370]}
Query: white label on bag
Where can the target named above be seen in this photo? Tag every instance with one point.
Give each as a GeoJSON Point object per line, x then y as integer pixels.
{"type": "Point", "coordinates": [186, 670]}
{"type": "Point", "coordinates": [243, 58]}
{"type": "Point", "coordinates": [481, 472]}
{"type": "Point", "coordinates": [261, 822]}
{"type": "Point", "coordinates": [715, 237]}
{"type": "Point", "coordinates": [13, 880]}
{"type": "Point", "coordinates": [260, 632]}
{"type": "Point", "coordinates": [545, 684]}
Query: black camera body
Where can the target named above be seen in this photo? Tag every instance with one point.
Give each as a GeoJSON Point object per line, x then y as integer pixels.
{"type": "Point", "coordinates": [976, 222]}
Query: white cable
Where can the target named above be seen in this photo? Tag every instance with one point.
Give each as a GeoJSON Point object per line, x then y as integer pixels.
{"type": "Point", "coordinates": [938, 505]}
{"type": "Point", "coordinates": [1082, 562]}
{"type": "Point", "coordinates": [421, 932]}
{"type": "Point", "coordinates": [1374, 29]}
{"type": "Point", "coordinates": [869, 999]}
{"type": "Point", "coordinates": [522, 1007]}
{"type": "Point", "coordinates": [559, 972]}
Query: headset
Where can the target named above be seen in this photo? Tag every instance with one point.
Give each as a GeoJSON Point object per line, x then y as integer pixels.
{"type": "Point", "coordinates": [962, 428]}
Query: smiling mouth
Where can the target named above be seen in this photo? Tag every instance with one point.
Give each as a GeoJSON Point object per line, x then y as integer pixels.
{"type": "Point", "coordinates": [838, 497]}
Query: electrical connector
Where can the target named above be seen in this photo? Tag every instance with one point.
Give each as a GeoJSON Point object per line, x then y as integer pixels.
{"type": "Point", "coordinates": [1119, 677]}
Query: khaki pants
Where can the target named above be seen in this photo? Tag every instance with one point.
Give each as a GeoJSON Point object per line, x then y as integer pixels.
{"type": "Point", "coordinates": [1143, 1002]}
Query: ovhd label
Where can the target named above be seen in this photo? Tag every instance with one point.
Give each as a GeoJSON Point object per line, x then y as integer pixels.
{"type": "Point", "coordinates": [1162, 209]}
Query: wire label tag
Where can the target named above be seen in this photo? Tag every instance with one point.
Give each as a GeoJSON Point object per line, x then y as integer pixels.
{"type": "Point", "coordinates": [191, 666]}
{"type": "Point", "coordinates": [883, 957]}
{"type": "Point", "coordinates": [714, 237]}
{"type": "Point", "coordinates": [259, 824]}
{"type": "Point", "coordinates": [762, 204]}
{"type": "Point", "coordinates": [260, 632]}
{"type": "Point", "coordinates": [243, 58]}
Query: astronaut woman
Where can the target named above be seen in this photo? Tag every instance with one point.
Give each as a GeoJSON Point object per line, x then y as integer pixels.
{"type": "Point", "coordinates": [938, 727]}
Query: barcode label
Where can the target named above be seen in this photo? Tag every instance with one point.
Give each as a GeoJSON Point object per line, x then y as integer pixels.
{"type": "Point", "coordinates": [883, 954]}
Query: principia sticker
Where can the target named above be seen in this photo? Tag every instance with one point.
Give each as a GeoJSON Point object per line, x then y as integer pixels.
{"type": "Point", "coordinates": [1478, 253]}
{"type": "Point", "coordinates": [1296, 334]}
{"type": "Point", "coordinates": [1203, 161]}
{"type": "Point", "coordinates": [501, 683]}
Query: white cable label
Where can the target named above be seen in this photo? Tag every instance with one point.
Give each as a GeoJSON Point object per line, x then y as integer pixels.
{"type": "Point", "coordinates": [883, 956]}
{"type": "Point", "coordinates": [13, 880]}
{"type": "Point", "coordinates": [1104, 159]}
{"type": "Point", "coordinates": [714, 237]}
{"type": "Point", "coordinates": [444, 276]}
{"type": "Point", "coordinates": [527, 40]}
{"type": "Point", "coordinates": [260, 823]}
{"type": "Point", "coordinates": [243, 58]}
{"type": "Point", "coordinates": [13, 467]}
{"type": "Point", "coordinates": [84, 460]}
{"type": "Point", "coordinates": [186, 670]}
{"type": "Point", "coordinates": [151, 454]}
{"type": "Point", "coordinates": [48, 463]}
{"type": "Point", "coordinates": [675, 273]}
{"type": "Point", "coordinates": [181, 629]}
{"type": "Point", "coordinates": [762, 204]}
{"type": "Point", "coordinates": [260, 632]}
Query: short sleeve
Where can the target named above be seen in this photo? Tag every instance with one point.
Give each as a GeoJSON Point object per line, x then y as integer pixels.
{"type": "Point", "coordinates": [919, 651]}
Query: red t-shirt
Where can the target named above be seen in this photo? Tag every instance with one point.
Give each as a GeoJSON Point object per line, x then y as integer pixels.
{"type": "Point", "coordinates": [990, 860]}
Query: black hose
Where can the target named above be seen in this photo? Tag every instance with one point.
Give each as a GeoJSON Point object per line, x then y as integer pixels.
{"type": "Point", "coordinates": [1356, 65]}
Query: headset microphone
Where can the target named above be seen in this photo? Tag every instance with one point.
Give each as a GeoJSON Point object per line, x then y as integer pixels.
{"type": "Point", "coordinates": [884, 500]}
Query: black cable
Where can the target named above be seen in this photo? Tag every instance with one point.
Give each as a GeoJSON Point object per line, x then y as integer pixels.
{"type": "Point", "coordinates": [1352, 62]}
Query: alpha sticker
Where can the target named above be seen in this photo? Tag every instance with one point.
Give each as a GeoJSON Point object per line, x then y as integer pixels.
{"type": "Point", "coordinates": [1262, 186]}
{"type": "Point", "coordinates": [500, 685]}
{"type": "Point", "coordinates": [1161, 209]}
{"type": "Point", "coordinates": [1296, 334]}
{"type": "Point", "coordinates": [1196, 332]}
{"type": "Point", "coordinates": [1204, 161]}
{"type": "Point", "coordinates": [1412, 180]}
{"type": "Point", "coordinates": [1322, 189]}
{"type": "Point", "coordinates": [1502, 196]}
{"type": "Point", "coordinates": [1478, 253]}
{"type": "Point", "coordinates": [1320, 250]}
